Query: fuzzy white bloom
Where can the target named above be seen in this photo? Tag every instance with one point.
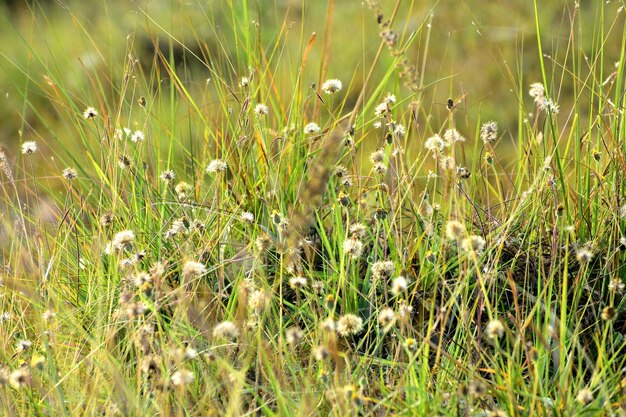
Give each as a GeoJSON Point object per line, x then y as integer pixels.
{"type": "Point", "coordinates": [390, 99]}
{"type": "Point", "coordinates": [382, 269]}
{"type": "Point", "coordinates": [123, 240]}
{"type": "Point", "coordinates": [216, 165]}
{"type": "Point", "coordinates": [90, 113]}
{"type": "Point", "coordinates": [167, 176]}
{"type": "Point", "coordinates": [332, 86]}
{"type": "Point", "coordinates": [182, 377]}
{"type": "Point", "coordinates": [475, 244]}
{"type": "Point", "coordinates": [226, 330]}
{"type": "Point", "coordinates": [400, 130]}
{"type": "Point", "coordinates": [381, 109]}
{"type": "Point", "coordinates": [353, 248]}
{"type": "Point", "coordinates": [399, 285]}
{"type": "Point", "coordinates": [494, 330]}
{"type": "Point", "coordinates": [455, 230]}
{"type": "Point", "coordinates": [193, 269]}
{"type": "Point", "coordinates": [489, 131]}
{"type": "Point", "coordinates": [387, 318]}
{"type": "Point", "coordinates": [434, 143]}
{"type": "Point", "coordinates": [297, 282]}
{"type": "Point", "coordinates": [29, 148]}
{"type": "Point", "coordinates": [261, 109]}
{"type": "Point", "coordinates": [70, 174]}
{"type": "Point", "coordinates": [451, 136]}
{"type": "Point", "coordinates": [245, 81]}
{"type": "Point", "coordinates": [311, 128]}
{"type": "Point", "coordinates": [349, 324]}
{"type": "Point", "coordinates": [247, 217]}
{"type": "Point", "coordinates": [137, 136]}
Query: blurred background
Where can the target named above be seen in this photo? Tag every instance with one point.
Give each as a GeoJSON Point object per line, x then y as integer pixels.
{"type": "Point", "coordinates": [58, 52]}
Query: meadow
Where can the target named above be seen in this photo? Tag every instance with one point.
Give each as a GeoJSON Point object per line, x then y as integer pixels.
{"type": "Point", "coordinates": [302, 208]}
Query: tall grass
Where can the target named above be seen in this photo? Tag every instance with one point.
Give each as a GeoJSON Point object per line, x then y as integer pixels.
{"type": "Point", "coordinates": [229, 231]}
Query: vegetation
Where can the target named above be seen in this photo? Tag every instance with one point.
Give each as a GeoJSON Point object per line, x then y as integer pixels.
{"type": "Point", "coordinates": [313, 208]}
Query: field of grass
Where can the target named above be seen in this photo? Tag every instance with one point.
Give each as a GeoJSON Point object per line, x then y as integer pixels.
{"type": "Point", "coordinates": [302, 208]}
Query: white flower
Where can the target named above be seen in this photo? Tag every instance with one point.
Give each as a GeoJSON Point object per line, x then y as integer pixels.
{"type": "Point", "coordinates": [182, 377]}
{"type": "Point", "coordinates": [90, 113]}
{"type": "Point", "coordinates": [226, 330]}
{"type": "Point", "coordinates": [311, 128]}
{"type": "Point", "coordinates": [245, 81]}
{"type": "Point", "coordinates": [381, 109]}
{"type": "Point", "coordinates": [474, 244]}
{"type": "Point", "coordinates": [247, 217]}
{"type": "Point", "coordinates": [489, 131]}
{"type": "Point", "coordinates": [29, 148]}
{"type": "Point", "coordinates": [455, 230]}
{"type": "Point", "coordinates": [69, 174]}
{"type": "Point", "coordinates": [261, 109]}
{"type": "Point", "coordinates": [216, 165]}
{"type": "Point", "coordinates": [331, 86]}
{"type": "Point", "coordinates": [353, 248]}
{"type": "Point", "coordinates": [137, 136]}
{"type": "Point", "coordinates": [451, 136]}
{"type": "Point", "coordinates": [494, 330]}
{"type": "Point", "coordinates": [400, 130]}
{"type": "Point", "coordinates": [349, 324]}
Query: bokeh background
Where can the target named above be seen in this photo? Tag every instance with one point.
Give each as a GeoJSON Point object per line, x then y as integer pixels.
{"type": "Point", "coordinates": [483, 50]}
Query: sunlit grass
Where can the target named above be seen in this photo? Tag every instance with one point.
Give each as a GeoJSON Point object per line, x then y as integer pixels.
{"type": "Point", "coordinates": [245, 217]}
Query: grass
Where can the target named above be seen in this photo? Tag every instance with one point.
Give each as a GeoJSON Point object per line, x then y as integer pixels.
{"type": "Point", "coordinates": [223, 235]}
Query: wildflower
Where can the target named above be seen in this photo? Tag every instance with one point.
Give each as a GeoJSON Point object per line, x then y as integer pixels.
{"type": "Point", "coordinates": [137, 136]}
{"type": "Point", "coordinates": [167, 176]}
{"type": "Point", "coordinates": [48, 315]}
{"type": "Point", "coordinates": [475, 244]}
{"type": "Point", "coordinates": [609, 313]}
{"type": "Point", "coordinates": [463, 173]}
{"type": "Point", "coordinates": [182, 377]}
{"type": "Point", "coordinates": [247, 217]}
{"type": "Point", "coordinates": [123, 162]}
{"type": "Point", "coordinates": [377, 156]}
{"type": "Point", "coordinates": [263, 243]}
{"type": "Point", "coordinates": [390, 99]}
{"type": "Point", "coordinates": [349, 324]}
{"type": "Point", "coordinates": [584, 255]}
{"type": "Point", "coordinates": [320, 353]}
{"type": "Point", "coordinates": [616, 284]}
{"type": "Point", "coordinates": [141, 279]}
{"type": "Point", "coordinates": [380, 168]}
{"type": "Point", "coordinates": [331, 86]}
{"type": "Point", "coordinates": [451, 136]}
{"type": "Point", "coordinates": [258, 301]}
{"type": "Point", "coordinates": [353, 248]}
{"type": "Point", "coordinates": [293, 335]}
{"type": "Point", "coordinates": [489, 132]}
{"type": "Point", "coordinates": [311, 128]}
{"type": "Point", "coordinates": [23, 345]}
{"type": "Point", "coordinates": [455, 230]}
{"type": "Point", "coordinates": [446, 163]}
{"type": "Point", "coordinates": [29, 148]}
{"type": "Point", "coordinates": [434, 143]}
{"type": "Point", "coordinates": [400, 130]}
{"type": "Point", "coordinates": [358, 230]}
{"type": "Point", "coordinates": [410, 344]}
{"type": "Point", "coordinates": [340, 171]}
{"type": "Point", "coordinates": [382, 269]}
{"type": "Point", "coordinates": [90, 113]}
{"type": "Point", "coordinates": [399, 285]}
{"type": "Point", "coordinates": [70, 174]}
{"type": "Point", "coordinates": [134, 310]}
{"type": "Point", "coordinates": [585, 396]}
{"type": "Point", "coordinates": [245, 82]}
{"type": "Point", "coordinates": [123, 240]}
{"type": "Point", "coordinates": [20, 378]}
{"type": "Point", "coordinates": [226, 330]}
{"type": "Point", "coordinates": [297, 282]}
{"type": "Point", "coordinates": [537, 91]}
{"type": "Point", "coordinates": [404, 310]}
{"type": "Point", "coordinates": [494, 330]}
{"type": "Point", "coordinates": [382, 109]}
{"type": "Point", "coordinates": [216, 166]}
{"type": "Point", "coordinates": [182, 190]}
{"type": "Point", "coordinates": [193, 269]}
{"type": "Point", "coordinates": [261, 109]}
{"type": "Point", "coordinates": [387, 318]}
{"type": "Point", "coordinates": [149, 364]}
